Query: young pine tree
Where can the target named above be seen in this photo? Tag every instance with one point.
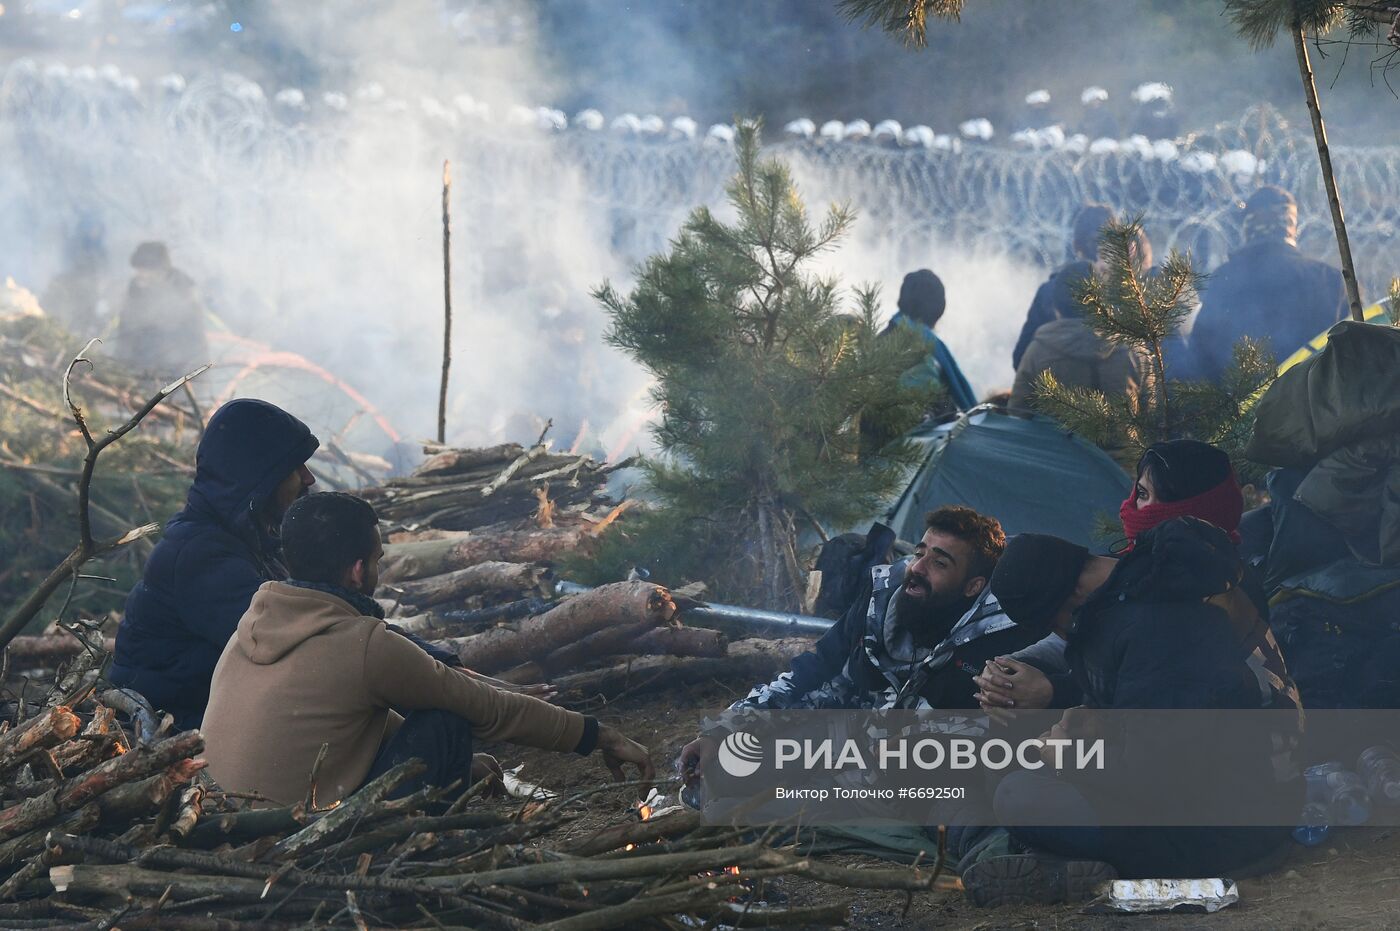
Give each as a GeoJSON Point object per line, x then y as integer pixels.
{"type": "Point", "coordinates": [762, 383]}
{"type": "Point", "coordinates": [1129, 307]}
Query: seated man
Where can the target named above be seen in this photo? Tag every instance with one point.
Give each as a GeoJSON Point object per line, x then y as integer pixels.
{"type": "Point", "coordinates": [1141, 635]}
{"type": "Point", "coordinates": [313, 663]}
{"type": "Point", "coordinates": [915, 642]}
{"type": "Point", "coordinates": [249, 468]}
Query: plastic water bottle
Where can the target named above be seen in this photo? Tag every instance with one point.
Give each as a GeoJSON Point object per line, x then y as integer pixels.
{"type": "Point", "coordinates": [1313, 828]}
{"type": "Point", "coordinates": [1379, 768]}
{"type": "Point", "coordinates": [1342, 791]}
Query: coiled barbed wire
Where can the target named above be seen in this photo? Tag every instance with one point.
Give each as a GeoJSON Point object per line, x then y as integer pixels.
{"type": "Point", "coordinates": [171, 156]}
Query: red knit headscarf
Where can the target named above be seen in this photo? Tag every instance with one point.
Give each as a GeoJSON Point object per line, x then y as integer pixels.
{"type": "Point", "coordinates": [1222, 506]}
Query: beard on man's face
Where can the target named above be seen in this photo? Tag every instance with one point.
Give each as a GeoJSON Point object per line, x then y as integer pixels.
{"type": "Point", "coordinates": [929, 610]}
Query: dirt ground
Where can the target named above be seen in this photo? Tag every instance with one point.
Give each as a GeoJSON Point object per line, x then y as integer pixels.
{"type": "Point", "coordinates": [1351, 881]}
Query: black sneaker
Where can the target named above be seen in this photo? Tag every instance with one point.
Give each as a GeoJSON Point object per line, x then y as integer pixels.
{"type": "Point", "coordinates": [1026, 879]}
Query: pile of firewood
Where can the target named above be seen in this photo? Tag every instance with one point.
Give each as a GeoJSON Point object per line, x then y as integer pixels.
{"type": "Point", "coordinates": [108, 822]}
{"type": "Point", "coordinates": [458, 489]}
{"type": "Point", "coordinates": [488, 592]}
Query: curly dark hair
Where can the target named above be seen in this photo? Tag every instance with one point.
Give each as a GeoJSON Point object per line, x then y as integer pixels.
{"type": "Point", "coordinates": [981, 533]}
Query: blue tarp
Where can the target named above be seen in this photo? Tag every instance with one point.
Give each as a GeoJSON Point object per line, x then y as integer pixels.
{"type": "Point", "coordinates": [1027, 471]}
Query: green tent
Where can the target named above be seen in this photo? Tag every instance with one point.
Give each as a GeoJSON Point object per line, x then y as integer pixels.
{"type": "Point", "coordinates": [1023, 469]}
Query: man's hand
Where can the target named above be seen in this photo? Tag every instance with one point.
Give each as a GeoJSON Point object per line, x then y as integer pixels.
{"type": "Point", "coordinates": [1010, 683]}
{"type": "Point", "coordinates": [619, 750]}
{"type": "Point", "coordinates": [484, 766]}
{"type": "Point", "coordinates": [695, 755]}
{"type": "Point", "coordinates": [544, 691]}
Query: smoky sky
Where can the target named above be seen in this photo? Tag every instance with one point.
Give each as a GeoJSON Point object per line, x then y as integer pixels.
{"type": "Point", "coordinates": [317, 230]}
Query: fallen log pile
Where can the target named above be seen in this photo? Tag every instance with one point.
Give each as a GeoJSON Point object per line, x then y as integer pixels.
{"type": "Point", "coordinates": [487, 593]}
{"type": "Point", "coordinates": [100, 828]}
{"type": "Point", "coordinates": [458, 489]}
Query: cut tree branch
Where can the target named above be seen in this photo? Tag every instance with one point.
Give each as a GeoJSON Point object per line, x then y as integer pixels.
{"type": "Point", "coordinates": [87, 547]}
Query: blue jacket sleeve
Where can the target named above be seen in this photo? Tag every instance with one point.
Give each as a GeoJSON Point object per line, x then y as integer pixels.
{"type": "Point", "coordinates": [446, 657]}
{"type": "Point", "coordinates": [811, 671]}
{"type": "Point", "coordinates": [1041, 312]}
{"type": "Point", "coordinates": [215, 587]}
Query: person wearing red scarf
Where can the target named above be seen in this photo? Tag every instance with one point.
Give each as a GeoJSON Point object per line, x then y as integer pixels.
{"type": "Point", "coordinates": [1183, 478]}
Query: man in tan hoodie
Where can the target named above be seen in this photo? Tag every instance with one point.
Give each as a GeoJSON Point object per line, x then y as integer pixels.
{"type": "Point", "coordinates": [314, 663]}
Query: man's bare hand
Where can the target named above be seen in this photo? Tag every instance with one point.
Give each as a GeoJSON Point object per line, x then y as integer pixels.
{"type": "Point", "coordinates": [696, 755]}
{"type": "Point", "coordinates": [544, 691]}
{"type": "Point", "coordinates": [619, 750]}
{"type": "Point", "coordinates": [1010, 683]}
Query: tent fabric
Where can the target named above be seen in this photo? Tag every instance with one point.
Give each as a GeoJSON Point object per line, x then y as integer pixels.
{"type": "Point", "coordinates": [1027, 471]}
{"type": "Point", "coordinates": [1348, 391]}
{"type": "Point", "coordinates": [1376, 313]}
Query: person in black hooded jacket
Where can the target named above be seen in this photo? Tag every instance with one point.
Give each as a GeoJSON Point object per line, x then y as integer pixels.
{"type": "Point", "coordinates": [199, 580]}
{"type": "Point", "coordinates": [1143, 633]}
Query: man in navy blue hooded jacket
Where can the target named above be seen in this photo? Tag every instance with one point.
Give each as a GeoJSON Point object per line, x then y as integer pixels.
{"type": "Point", "coordinates": [250, 467]}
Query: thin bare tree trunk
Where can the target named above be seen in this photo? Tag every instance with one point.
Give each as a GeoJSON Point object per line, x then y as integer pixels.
{"type": "Point", "coordinates": [446, 299]}
{"type": "Point", "coordinates": [1329, 178]}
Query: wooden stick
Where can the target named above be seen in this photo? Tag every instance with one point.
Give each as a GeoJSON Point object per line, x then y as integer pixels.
{"type": "Point", "coordinates": [753, 659]}
{"type": "Point", "coordinates": [642, 832]}
{"type": "Point", "coordinates": [341, 819]}
{"type": "Point", "coordinates": [47, 729]}
{"type": "Point", "coordinates": [740, 915]}
{"type": "Point", "coordinates": [81, 789]}
{"type": "Point", "coordinates": [446, 299]}
{"type": "Point", "coordinates": [616, 916]}
{"type": "Point", "coordinates": [406, 561]}
{"type": "Point", "coordinates": [1329, 177]}
{"type": "Point", "coordinates": [451, 461]}
{"type": "Point", "coordinates": [618, 603]}
{"type": "Point", "coordinates": [530, 455]}
{"type": "Point", "coordinates": [87, 547]}
{"type": "Point", "coordinates": [485, 578]}
{"type": "Point", "coordinates": [247, 825]}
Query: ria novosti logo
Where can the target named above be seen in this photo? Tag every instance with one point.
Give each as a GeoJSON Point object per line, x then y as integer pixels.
{"type": "Point", "coordinates": [740, 754]}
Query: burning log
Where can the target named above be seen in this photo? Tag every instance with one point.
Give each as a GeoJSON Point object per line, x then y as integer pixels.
{"type": "Point", "coordinates": [643, 832]}
{"type": "Point", "coordinates": [756, 660]}
{"type": "Point", "coordinates": [482, 579]}
{"type": "Point", "coordinates": [48, 729]}
{"type": "Point", "coordinates": [100, 735]}
{"type": "Point", "coordinates": [81, 789]}
{"type": "Point", "coordinates": [618, 603]}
